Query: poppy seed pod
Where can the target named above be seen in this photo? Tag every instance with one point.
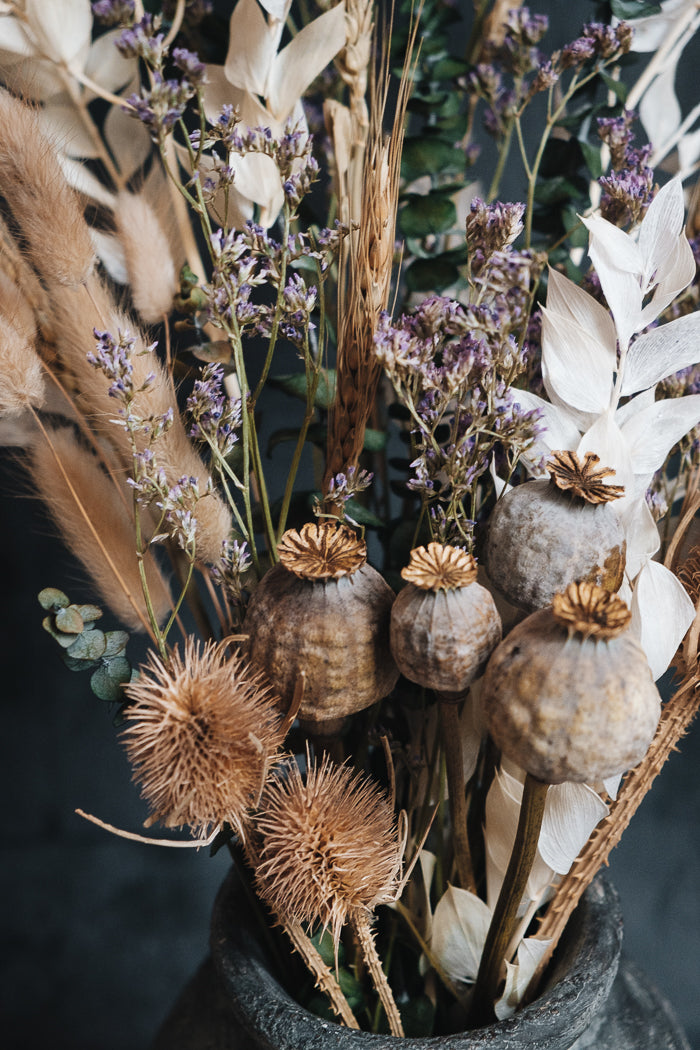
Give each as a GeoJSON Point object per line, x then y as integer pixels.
{"type": "Point", "coordinates": [325, 612]}
{"type": "Point", "coordinates": [569, 695]}
{"type": "Point", "coordinates": [545, 534]}
{"type": "Point", "coordinates": [444, 625]}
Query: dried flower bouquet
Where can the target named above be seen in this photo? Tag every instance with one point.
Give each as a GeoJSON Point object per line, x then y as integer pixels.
{"type": "Point", "coordinates": [214, 216]}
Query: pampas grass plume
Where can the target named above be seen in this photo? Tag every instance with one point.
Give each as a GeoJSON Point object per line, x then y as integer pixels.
{"type": "Point", "coordinates": [330, 849]}
{"type": "Point", "coordinates": [118, 583]}
{"type": "Point", "coordinates": [21, 373]}
{"type": "Point", "coordinates": [149, 263]}
{"type": "Point", "coordinates": [202, 731]}
{"type": "Point", "coordinates": [46, 208]}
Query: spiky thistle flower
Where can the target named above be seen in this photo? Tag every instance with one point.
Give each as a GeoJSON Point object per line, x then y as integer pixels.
{"type": "Point", "coordinates": [330, 850]}
{"type": "Point", "coordinates": [202, 733]}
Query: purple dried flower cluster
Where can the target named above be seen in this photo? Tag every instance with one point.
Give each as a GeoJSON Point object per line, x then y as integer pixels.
{"type": "Point", "coordinates": [452, 367]}
{"type": "Point", "coordinates": [629, 189]}
{"type": "Point", "coordinates": [234, 563]}
{"type": "Point", "coordinates": [216, 418]}
{"type": "Point", "coordinates": [343, 487]}
{"type": "Point", "coordinates": [114, 12]}
{"type": "Point", "coordinates": [177, 503]}
{"type": "Point", "coordinates": [142, 40]}
{"type": "Point", "coordinates": [113, 357]}
{"type": "Point", "coordinates": [493, 227]}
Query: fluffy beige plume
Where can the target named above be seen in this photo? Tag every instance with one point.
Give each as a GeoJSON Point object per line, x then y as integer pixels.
{"type": "Point", "coordinates": [21, 374]}
{"type": "Point", "coordinates": [46, 209]}
{"type": "Point", "coordinates": [149, 263]}
{"type": "Point", "coordinates": [76, 313]}
{"type": "Point", "coordinates": [96, 526]}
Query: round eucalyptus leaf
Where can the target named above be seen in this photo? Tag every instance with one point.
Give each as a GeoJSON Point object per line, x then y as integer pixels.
{"type": "Point", "coordinates": [89, 613]}
{"type": "Point", "coordinates": [51, 599]}
{"type": "Point", "coordinates": [431, 275]}
{"type": "Point", "coordinates": [105, 687]}
{"type": "Point", "coordinates": [115, 643]}
{"type": "Point", "coordinates": [119, 669]}
{"type": "Point", "coordinates": [423, 215]}
{"type": "Point", "coordinates": [69, 620]}
{"type": "Point", "coordinates": [90, 645]}
{"type": "Point", "coordinates": [64, 640]}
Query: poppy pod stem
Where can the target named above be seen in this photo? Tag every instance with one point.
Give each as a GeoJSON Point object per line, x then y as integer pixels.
{"type": "Point", "coordinates": [360, 924]}
{"type": "Point", "coordinates": [505, 912]}
{"type": "Point", "coordinates": [454, 765]}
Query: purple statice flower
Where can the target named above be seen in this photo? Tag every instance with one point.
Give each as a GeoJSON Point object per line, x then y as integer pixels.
{"type": "Point", "coordinates": [608, 41]}
{"type": "Point", "coordinates": [141, 40]}
{"type": "Point", "coordinates": [298, 183]}
{"type": "Point", "coordinates": [113, 357]}
{"type": "Point", "coordinates": [617, 134]}
{"type": "Point", "coordinates": [114, 12]}
{"type": "Point", "coordinates": [190, 64]}
{"type": "Point", "coordinates": [232, 566]}
{"type": "Point", "coordinates": [492, 227]}
{"type": "Point", "coordinates": [577, 53]}
{"type": "Point", "coordinates": [527, 27]}
{"type": "Point", "coordinates": [216, 418]}
{"type": "Point", "coordinates": [162, 105]}
{"type": "Point", "coordinates": [628, 193]}
{"type": "Point", "coordinates": [545, 77]}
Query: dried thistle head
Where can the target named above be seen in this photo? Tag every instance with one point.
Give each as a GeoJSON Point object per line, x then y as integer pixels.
{"type": "Point", "coordinates": [689, 574]}
{"type": "Point", "coordinates": [591, 611]}
{"type": "Point", "coordinates": [582, 479]}
{"type": "Point", "coordinates": [330, 847]}
{"type": "Point", "coordinates": [440, 567]}
{"type": "Point", "coordinates": [322, 551]}
{"type": "Point", "coordinates": [201, 734]}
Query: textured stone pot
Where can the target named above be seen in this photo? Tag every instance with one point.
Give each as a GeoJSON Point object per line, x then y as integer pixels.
{"type": "Point", "coordinates": [593, 999]}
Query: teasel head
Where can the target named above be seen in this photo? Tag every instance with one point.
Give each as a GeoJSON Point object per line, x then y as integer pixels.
{"type": "Point", "coordinates": [444, 625]}
{"type": "Point", "coordinates": [323, 612]}
{"type": "Point", "coordinates": [329, 846]}
{"type": "Point", "coordinates": [545, 534]}
{"type": "Point", "coordinates": [202, 733]}
{"type": "Point", "coordinates": [569, 694]}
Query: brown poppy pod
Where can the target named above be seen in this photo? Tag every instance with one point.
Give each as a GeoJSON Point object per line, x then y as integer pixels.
{"type": "Point", "coordinates": [569, 694]}
{"type": "Point", "coordinates": [545, 534]}
{"type": "Point", "coordinates": [325, 612]}
{"type": "Point", "coordinates": [444, 625]}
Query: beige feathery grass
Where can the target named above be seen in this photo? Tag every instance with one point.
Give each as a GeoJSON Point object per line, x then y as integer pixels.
{"type": "Point", "coordinates": [76, 313]}
{"type": "Point", "coordinates": [149, 263]}
{"type": "Point", "coordinates": [95, 525]}
{"type": "Point", "coordinates": [202, 732]}
{"type": "Point", "coordinates": [46, 209]}
{"type": "Point", "coordinates": [21, 373]}
{"type": "Point", "coordinates": [365, 269]}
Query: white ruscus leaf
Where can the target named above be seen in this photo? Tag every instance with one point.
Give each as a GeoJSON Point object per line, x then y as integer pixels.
{"type": "Point", "coordinates": [460, 924]}
{"type": "Point", "coordinates": [662, 612]}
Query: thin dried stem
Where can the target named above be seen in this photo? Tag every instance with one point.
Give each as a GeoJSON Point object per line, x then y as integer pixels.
{"type": "Point", "coordinates": [452, 748]}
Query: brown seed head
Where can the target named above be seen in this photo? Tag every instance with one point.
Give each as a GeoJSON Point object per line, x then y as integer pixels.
{"type": "Point", "coordinates": [439, 567]}
{"type": "Point", "coordinates": [689, 574]}
{"type": "Point", "coordinates": [330, 846]}
{"type": "Point", "coordinates": [202, 732]}
{"type": "Point", "coordinates": [322, 551]}
{"type": "Point", "coordinates": [571, 475]}
{"type": "Point", "coordinates": [591, 610]}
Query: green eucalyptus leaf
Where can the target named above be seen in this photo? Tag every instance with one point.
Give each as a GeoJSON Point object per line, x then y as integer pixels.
{"type": "Point", "coordinates": [375, 440]}
{"type": "Point", "coordinates": [115, 643]}
{"type": "Point", "coordinates": [578, 237]}
{"type": "Point", "coordinates": [52, 599]}
{"type": "Point", "coordinates": [423, 215]}
{"type": "Point", "coordinates": [618, 87]}
{"type": "Point", "coordinates": [592, 157]}
{"type": "Point", "coordinates": [105, 687]}
{"type": "Point", "coordinates": [89, 613]}
{"type": "Point", "coordinates": [426, 155]}
{"type": "Point", "coordinates": [90, 645]}
{"type": "Point", "coordinates": [626, 9]}
{"type": "Point", "coordinates": [448, 68]}
{"type": "Point", "coordinates": [64, 640]}
{"type": "Point", "coordinates": [295, 385]}
{"type": "Point", "coordinates": [431, 275]}
{"type": "Point", "coordinates": [118, 668]}
{"type": "Point", "coordinates": [74, 664]}
{"type": "Point", "coordinates": [556, 190]}
{"type": "Point", "coordinates": [69, 620]}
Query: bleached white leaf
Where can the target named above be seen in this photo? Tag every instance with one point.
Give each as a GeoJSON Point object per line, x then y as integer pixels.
{"type": "Point", "coordinates": [252, 48]}
{"type": "Point", "coordinates": [502, 812]}
{"type": "Point", "coordinates": [613, 245]}
{"type": "Point", "coordinates": [128, 140]}
{"type": "Point", "coordinates": [659, 110]}
{"type": "Point", "coordinates": [565, 297]}
{"type": "Point", "coordinates": [61, 122]}
{"type": "Point", "coordinates": [279, 9]}
{"type": "Point", "coordinates": [675, 275]}
{"type": "Point", "coordinates": [106, 66]}
{"type": "Point", "coordinates": [460, 924]}
{"type": "Point", "coordinates": [111, 254]}
{"type": "Point", "coordinates": [621, 289]}
{"type": "Point", "coordinates": [661, 352]}
{"type": "Point", "coordinates": [304, 57]}
{"type": "Point", "coordinates": [660, 229]}
{"type": "Point", "coordinates": [652, 30]}
{"type": "Point", "coordinates": [426, 862]}
{"type": "Point", "coordinates": [62, 28]}
{"type": "Point", "coordinates": [218, 91]}
{"type": "Point", "coordinates": [612, 784]}
{"type": "Point", "coordinates": [662, 612]}
{"type": "Point", "coordinates": [641, 534]}
{"type": "Point", "coordinates": [606, 439]}
{"type": "Point", "coordinates": [519, 974]}
{"type": "Point", "coordinates": [571, 812]}
{"type": "Point", "coordinates": [500, 486]}
{"type": "Point", "coordinates": [651, 433]}
{"type": "Point", "coordinates": [635, 404]}
{"type": "Point", "coordinates": [85, 182]}
{"type": "Point", "coordinates": [560, 424]}
{"type": "Point", "coordinates": [14, 37]}
{"type": "Point", "coordinates": [575, 365]}
{"type": "Point", "coordinates": [689, 150]}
